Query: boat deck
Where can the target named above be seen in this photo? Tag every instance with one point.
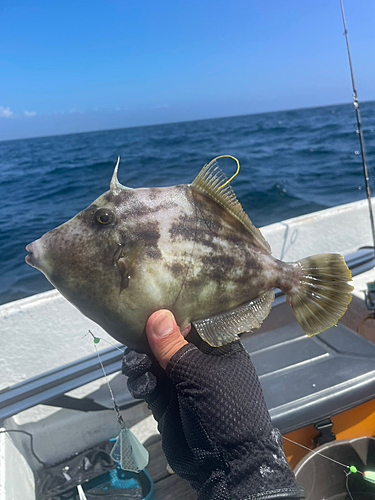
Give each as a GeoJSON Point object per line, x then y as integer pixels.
{"type": "Point", "coordinates": [166, 486]}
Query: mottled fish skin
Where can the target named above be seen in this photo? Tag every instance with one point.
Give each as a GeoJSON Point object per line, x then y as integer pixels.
{"type": "Point", "coordinates": [198, 260]}
{"type": "Point", "coordinates": [228, 267]}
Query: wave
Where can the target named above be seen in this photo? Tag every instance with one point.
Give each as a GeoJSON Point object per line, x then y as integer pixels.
{"type": "Point", "coordinates": [292, 163]}
{"type": "Point", "coordinates": [261, 206]}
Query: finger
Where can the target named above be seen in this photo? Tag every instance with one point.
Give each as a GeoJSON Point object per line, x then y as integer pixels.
{"type": "Point", "coordinates": [142, 386]}
{"type": "Point", "coordinates": [135, 363]}
{"type": "Point", "coordinates": [164, 336]}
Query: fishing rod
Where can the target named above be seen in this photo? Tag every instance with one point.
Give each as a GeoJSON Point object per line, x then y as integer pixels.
{"type": "Point", "coordinates": [370, 287]}
{"type": "Point", "coordinates": [359, 125]}
{"type": "Point", "coordinates": [370, 293]}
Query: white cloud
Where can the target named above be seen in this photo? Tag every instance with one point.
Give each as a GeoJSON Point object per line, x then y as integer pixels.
{"type": "Point", "coordinates": [5, 112]}
{"type": "Point", "coordinates": [29, 114]}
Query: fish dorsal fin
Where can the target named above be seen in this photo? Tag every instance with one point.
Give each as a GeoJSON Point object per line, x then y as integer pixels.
{"type": "Point", "coordinates": [225, 328]}
{"type": "Point", "coordinates": [212, 181]}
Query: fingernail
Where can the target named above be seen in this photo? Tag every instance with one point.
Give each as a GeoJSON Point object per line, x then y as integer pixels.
{"type": "Point", "coordinates": [163, 324]}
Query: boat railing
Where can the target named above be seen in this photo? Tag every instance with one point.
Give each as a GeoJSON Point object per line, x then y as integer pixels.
{"type": "Point", "coordinates": [51, 387]}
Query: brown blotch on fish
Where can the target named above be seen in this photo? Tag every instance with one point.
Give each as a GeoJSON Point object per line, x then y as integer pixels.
{"type": "Point", "coordinates": [150, 233]}
{"type": "Point", "coordinates": [184, 228]}
{"type": "Point", "coordinates": [209, 243]}
{"type": "Point", "coordinates": [144, 210]}
{"type": "Point", "coordinates": [177, 269]}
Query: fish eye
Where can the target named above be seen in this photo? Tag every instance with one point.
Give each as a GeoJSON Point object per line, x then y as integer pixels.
{"type": "Point", "coordinates": [104, 217]}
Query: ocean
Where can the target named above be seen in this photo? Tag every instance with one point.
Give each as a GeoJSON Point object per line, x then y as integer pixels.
{"type": "Point", "coordinates": [292, 163]}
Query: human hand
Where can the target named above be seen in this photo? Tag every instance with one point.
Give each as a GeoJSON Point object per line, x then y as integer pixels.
{"type": "Point", "coordinates": [216, 429]}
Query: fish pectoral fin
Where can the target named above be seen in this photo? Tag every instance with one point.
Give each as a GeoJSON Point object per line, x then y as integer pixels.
{"type": "Point", "coordinates": [124, 282]}
{"type": "Point", "coordinates": [125, 263]}
{"type": "Point", "coordinates": [212, 181]}
{"type": "Point", "coordinates": [225, 328]}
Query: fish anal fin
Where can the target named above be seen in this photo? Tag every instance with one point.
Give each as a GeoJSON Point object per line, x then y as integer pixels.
{"type": "Point", "coordinates": [225, 328]}
{"type": "Point", "coordinates": [212, 181]}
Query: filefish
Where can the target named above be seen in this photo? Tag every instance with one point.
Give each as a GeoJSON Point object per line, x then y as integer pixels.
{"type": "Point", "coordinates": [189, 248]}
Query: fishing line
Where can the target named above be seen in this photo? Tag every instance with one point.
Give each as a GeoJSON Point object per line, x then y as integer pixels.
{"type": "Point", "coordinates": [320, 454]}
{"type": "Point", "coordinates": [347, 484]}
{"type": "Point", "coordinates": [117, 410]}
{"type": "Point", "coordinates": [105, 340]}
{"type": "Point", "coordinates": [127, 450]}
{"type": "Point", "coordinates": [368, 476]}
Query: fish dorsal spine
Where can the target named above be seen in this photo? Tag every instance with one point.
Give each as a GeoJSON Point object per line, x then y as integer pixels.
{"type": "Point", "coordinates": [115, 186]}
{"type": "Point", "coordinates": [212, 181]}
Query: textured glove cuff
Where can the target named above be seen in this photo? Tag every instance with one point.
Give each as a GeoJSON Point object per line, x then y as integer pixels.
{"type": "Point", "coordinates": [297, 493]}
{"type": "Point", "coordinates": [257, 471]}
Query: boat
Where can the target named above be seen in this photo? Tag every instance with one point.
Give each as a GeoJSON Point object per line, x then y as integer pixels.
{"type": "Point", "coordinates": [318, 389]}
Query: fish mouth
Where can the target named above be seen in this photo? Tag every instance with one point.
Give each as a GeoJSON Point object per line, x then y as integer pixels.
{"type": "Point", "coordinates": [38, 253]}
{"type": "Point", "coordinates": [32, 258]}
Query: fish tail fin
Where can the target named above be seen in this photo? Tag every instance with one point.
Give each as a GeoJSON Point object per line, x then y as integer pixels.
{"type": "Point", "coordinates": [323, 294]}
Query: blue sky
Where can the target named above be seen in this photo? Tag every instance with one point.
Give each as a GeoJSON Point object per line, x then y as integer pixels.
{"type": "Point", "coordinates": [76, 66]}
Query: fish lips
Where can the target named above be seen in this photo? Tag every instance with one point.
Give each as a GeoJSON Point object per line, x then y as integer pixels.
{"type": "Point", "coordinates": [35, 257]}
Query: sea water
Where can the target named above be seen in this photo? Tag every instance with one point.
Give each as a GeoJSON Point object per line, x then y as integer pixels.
{"type": "Point", "coordinates": [292, 163]}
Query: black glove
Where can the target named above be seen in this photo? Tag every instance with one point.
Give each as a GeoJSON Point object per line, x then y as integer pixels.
{"type": "Point", "coordinates": [215, 427]}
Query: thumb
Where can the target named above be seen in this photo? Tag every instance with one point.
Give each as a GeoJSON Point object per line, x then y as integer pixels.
{"type": "Point", "coordinates": [164, 336]}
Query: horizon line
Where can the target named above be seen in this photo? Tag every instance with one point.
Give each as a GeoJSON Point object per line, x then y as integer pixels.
{"type": "Point", "coordinates": [182, 121]}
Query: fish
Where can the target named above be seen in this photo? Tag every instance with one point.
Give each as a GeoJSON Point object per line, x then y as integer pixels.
{"type": "Point", "coordinates": [188, 248]}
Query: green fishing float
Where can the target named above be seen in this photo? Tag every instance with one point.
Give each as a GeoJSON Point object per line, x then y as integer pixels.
{"type": "Point", "coordinates": [368, 475]}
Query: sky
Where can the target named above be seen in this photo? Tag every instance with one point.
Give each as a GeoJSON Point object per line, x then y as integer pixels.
{"type": "Point", "coordinates": [82, 65]}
